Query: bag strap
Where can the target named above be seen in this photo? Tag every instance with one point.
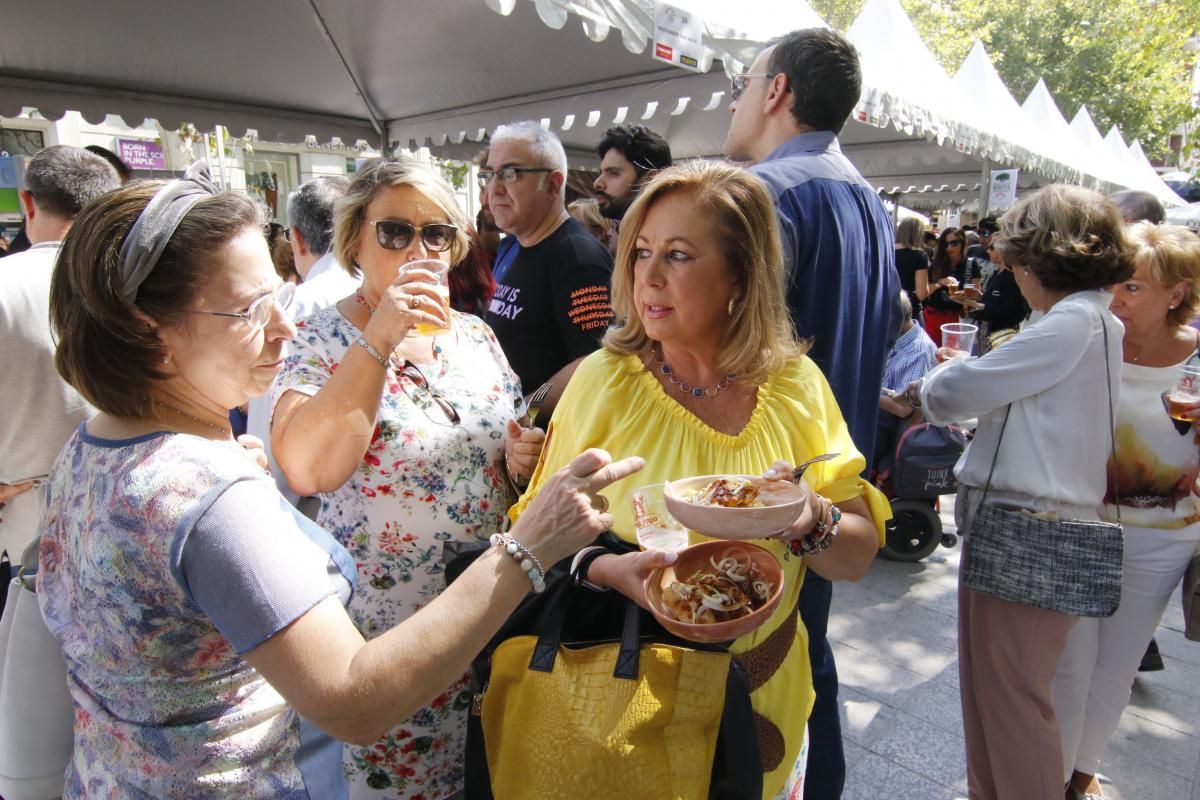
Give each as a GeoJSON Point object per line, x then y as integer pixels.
{"type": "Point", "coordinates": [1112, 427]}
{"type": "Point", "coordinates": [545, 651]}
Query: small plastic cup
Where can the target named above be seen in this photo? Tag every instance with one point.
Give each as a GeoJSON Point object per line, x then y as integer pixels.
{"type": "Point", "coordinates": [653, 525]}
{"type": "Point", "coordinates": [1185, 393]}
{"type": "Point", "coordinates": [441, 271]}
{"type": "Point", "coordinates": [959, 337]}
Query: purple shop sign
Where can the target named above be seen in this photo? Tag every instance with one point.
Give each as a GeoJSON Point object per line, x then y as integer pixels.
{"type": "Point", "coordinates": [139, 154]}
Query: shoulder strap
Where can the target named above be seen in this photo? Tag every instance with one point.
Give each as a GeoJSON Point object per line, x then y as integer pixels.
{"type": "Point", "coordinates": [1112, 424]}
{"type": "Point", "coordinates": [1112, 435]}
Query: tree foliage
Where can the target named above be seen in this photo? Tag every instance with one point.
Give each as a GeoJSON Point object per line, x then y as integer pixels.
{"type": "Point", "coordinates": [1124, 59]}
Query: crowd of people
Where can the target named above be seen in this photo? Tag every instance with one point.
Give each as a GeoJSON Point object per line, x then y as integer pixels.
{"type": "Point", "coordinates": [240, 448]}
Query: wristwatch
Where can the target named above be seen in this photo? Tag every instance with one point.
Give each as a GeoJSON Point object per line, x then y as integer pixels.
{"type": "Point", "coordinates": [912, 393]}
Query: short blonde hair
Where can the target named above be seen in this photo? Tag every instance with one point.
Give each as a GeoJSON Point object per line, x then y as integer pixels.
{"type": "Point", "coordinates": [382, 173]}
{"type": "Point", "coordinates": [739, 209]}
{"type": "Point", "coordinates": [1171, 255]}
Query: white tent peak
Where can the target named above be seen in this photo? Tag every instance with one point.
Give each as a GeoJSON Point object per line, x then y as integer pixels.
{"type": "Point", "coordinates": [903, 84]}
{"type": "Point", "coordinates": [1017, 141]}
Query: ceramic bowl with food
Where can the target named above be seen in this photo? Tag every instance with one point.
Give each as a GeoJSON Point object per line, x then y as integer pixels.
{"type": "Point", "coordinates": [734, 506]}
{"type": "Point", "coordinates": [715, 591]}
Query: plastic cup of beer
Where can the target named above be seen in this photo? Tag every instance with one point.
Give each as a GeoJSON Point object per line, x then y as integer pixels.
{"type": "Point", "coordinates": [441, 271]}
{"type": "Point", "coordinates": [653, 525]}
{"type": "Point", "coordinates": [1185, 393]}
{"type": "Point", "coordinates": [959, 337]}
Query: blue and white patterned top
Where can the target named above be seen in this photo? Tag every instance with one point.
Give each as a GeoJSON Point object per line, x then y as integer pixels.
{"type": "Point", "coordinates": [163, 559]}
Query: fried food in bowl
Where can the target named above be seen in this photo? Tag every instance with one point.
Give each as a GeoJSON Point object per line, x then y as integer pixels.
{"type": "Point", "coordinates": [734, 506]}
{"type": "Point", "coordinates": [715, 591]}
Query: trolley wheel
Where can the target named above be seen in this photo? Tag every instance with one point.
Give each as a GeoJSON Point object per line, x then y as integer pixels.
{"type": "Point", "coordinates": [914, 531]}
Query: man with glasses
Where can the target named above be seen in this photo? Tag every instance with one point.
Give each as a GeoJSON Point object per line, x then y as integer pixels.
{"type": "Point", "coordinates": [551, 304]}
{"type": "Point", "coordinates": [40, 410]}
{"type": "Point", "coordinates": [787, 110]}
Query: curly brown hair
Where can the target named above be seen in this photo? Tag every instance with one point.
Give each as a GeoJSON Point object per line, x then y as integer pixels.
{"type": "Point", "coordinates": [1071, 238]}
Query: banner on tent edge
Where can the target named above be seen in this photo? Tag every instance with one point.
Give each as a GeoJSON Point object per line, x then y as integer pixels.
{"type": "Point", "coordinates": [678, 36]}
{"type": "Point", "coordinates": [1002, 192]}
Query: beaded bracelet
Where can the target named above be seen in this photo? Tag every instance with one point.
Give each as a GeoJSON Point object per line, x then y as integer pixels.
{"type": "Point", "coordinates": [527, 560]}
{"type": "Point", "coordinates": [821, 536]}
{"type": "Point", "coordinates": [375, 354]}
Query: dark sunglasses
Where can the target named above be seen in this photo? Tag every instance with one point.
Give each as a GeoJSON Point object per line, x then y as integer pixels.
{"type": "Point", "coordinates": [410, 371]}
{"type": "Point", "coordinates": [392, 234]}
{"type": "Point", "coordinates": [954, 243]}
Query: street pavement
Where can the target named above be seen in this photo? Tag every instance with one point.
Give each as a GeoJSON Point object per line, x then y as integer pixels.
{"type": "Point", "coordinates": [893, 635]}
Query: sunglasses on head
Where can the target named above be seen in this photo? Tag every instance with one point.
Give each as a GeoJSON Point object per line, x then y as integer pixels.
{"type": "Point", "coordinates": [392, 234]}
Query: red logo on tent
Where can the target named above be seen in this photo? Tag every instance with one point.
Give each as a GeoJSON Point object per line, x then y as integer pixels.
{"type": "Point", "coordinates": [663, 50]}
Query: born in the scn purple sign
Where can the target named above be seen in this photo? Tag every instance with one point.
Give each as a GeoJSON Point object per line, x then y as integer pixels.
{"type": "Point", "coordinates": [141, 155]}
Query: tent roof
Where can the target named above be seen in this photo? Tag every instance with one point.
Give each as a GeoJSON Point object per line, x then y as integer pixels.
{"type": "Point", "coordinates": [443, 74]}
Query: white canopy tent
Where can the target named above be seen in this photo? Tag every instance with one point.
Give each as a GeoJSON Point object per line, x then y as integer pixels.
{"type": "Point", "coordinates": [444, 74]}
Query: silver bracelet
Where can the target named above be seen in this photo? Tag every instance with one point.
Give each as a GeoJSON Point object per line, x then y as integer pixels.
{"type": "Point", "coordinates": [524, 558]}
{"type": "Point", "coordinates": [375, 354]}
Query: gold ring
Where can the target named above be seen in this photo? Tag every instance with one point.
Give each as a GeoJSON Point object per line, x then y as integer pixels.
{"type": "Point", "coordinates": [603, 503]}
{"type": "Point", "coordinates": [414, 301]}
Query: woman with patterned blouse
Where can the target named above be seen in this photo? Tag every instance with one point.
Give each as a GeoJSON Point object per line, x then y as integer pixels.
{"type": "Point", "coordinates": [200, 616]}
{"type": "Point", "coordinates": [408, 440]}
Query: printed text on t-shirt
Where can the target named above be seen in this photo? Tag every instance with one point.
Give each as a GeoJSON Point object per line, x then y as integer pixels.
{"type": "Point", "coordinates": [590, 308]}
{"type": "Point", "coordinates": [504, 302]}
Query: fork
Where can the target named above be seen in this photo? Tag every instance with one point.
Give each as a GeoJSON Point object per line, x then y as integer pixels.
{"type": "Point", "coordinates": [798, 472]}
{"type": "Point", "coordinates": [536, 401]}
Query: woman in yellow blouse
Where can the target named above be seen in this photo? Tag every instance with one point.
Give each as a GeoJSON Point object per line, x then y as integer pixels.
{"type": "Point", "coordinates": [705, 377]}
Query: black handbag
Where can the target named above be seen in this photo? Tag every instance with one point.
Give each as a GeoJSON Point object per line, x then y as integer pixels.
{"type": "Point", "coordinates": [570, 616]}
{"type": "Point", "coordinates": [1070, 566]}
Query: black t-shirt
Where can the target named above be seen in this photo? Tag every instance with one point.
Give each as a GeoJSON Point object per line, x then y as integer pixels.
{"type": "Point", "coordinates": [551, 305]}
{"type": "Point", "coordinates": [908, 262]}
{"type": "Point", "coordinates": [1003, 304]}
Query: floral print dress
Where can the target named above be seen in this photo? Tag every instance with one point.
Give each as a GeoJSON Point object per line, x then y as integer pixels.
{"type": "Point", "coordinates": [423, 481]}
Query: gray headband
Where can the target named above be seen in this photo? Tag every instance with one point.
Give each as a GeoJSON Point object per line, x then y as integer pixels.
{"type": "Point", "coordinates": [157, 223]}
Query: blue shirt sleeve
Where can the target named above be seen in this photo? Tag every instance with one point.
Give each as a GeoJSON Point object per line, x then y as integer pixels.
{"type": "Point", "coordinates": [250, 564]}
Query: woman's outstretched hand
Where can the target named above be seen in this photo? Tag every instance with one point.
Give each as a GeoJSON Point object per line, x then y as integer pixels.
{"type": "Point", "coordinates": [568, 511]}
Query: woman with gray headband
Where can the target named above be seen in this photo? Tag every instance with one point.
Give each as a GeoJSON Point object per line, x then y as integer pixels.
{"type": "Point", "coordinates": [202, 619]}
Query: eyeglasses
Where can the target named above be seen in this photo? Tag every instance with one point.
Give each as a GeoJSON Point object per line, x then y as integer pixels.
{"type": "Point", "coordinates": [392, 234]}
{"type": "Point", "coordinates": [506, 174]}
{"type": "Point", "coordinates": [259, 312]}
{"type": "Point", "coordinates": [737, 84]}
{"type": "Point", "coordinates": [287, 234]}
{"type": "Point", "coordinates": [954, 243]}
{"type": "Point", "coordinates": [410, 371]}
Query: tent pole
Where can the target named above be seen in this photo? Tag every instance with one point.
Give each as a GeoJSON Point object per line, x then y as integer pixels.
{"type": "Point", "coordinates": [376, 123]}
{"type": "Point", "coordinates": [219, 132]}
{"type": "Point", "coordinates": [896, 209]}
{"type": "Point", "coordinates": [985, 188]}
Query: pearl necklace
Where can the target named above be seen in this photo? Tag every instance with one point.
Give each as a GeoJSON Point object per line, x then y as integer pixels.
{"type": "Point", "coordinates": [687, 388]}
{"type": "Point", "coordinates": [225, 432]}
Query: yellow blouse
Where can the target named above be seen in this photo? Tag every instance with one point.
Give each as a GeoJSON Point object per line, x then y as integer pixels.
{"type": "Point", "coordinates": [614, 403]}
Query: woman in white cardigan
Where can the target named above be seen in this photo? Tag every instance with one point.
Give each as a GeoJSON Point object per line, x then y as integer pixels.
{"type": "Point", "coordinates": [1065, 244]}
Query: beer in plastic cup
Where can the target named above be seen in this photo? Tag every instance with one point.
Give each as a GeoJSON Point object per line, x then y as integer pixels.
{"type": "Point", "coordinates": [1185, 393]}
{"type": "Point", "coordinates": [441, 271]}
